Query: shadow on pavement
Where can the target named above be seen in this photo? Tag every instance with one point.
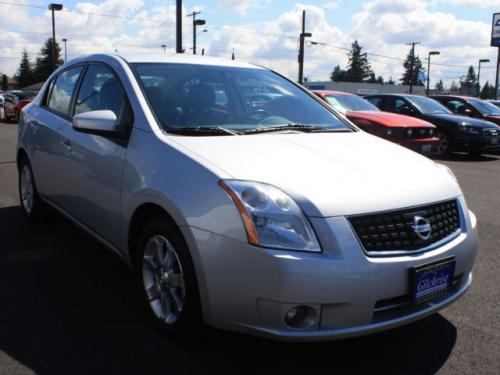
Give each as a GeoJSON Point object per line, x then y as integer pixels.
{"type": "Point", "coordinates": [467, 157]}
{"type": "Point", "coordinates": [69, 307]}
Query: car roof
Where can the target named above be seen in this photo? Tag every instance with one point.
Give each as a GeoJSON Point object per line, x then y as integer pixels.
{"type": "Point", "coordinates": [401, 95]}
{"type": "Point", "coordinates": [456, 96]}
{"type": "Point", "coordinates": [180, 58]}
{"type": "Point", "coordinates": [332, 92]}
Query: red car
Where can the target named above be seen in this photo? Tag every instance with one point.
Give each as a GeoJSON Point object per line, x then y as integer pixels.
{"type": "Point", "coordinates": [469, 106]}
{"type": "Point", "coordinates": [415, 134]}
{"type": "Point", "coordinates": [15, 101]}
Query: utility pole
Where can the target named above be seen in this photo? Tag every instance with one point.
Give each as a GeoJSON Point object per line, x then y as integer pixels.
{"type": "Point", "coordinates": [412, 62]}
{"type": "Point", "coordinates": [429, 70]}
{"type": "Point", "coordinates": [195, 23]}
{"type": "Point", "coordinates": [232, 56]}
{"type": "Point", "coordinates": [479, 74]}
{"type": "Point", "coordinates": [178, 24]}
{"type": "Point", "coordinates": [164, 48]}
{"type": "Point", "coordinates": [65, 50]}
{"type": "Point", "coordinates": [303, 36]}
{"type": "Point", "coordinates": [53, 8]}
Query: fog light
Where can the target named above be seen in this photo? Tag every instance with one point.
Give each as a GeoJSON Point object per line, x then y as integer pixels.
{"type": "Point", "coordinates": [300, 317]}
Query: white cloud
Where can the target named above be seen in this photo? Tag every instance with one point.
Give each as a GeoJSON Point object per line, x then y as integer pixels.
{"type": "Point", "coordinates": [242, 6]}
{"type": "Point", "coordinates": [473, 3]}
{"type": "Point", "coordinates": [332, 4]}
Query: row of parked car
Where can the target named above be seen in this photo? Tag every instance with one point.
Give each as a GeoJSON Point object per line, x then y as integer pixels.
{"type": "Point", "coordinates": [12, 102]}
{"type": "Point", "coordinates": [431, 125]}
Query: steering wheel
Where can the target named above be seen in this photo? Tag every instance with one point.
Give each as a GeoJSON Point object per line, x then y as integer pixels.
{"type": "Point", "coordinates": [260, 114]}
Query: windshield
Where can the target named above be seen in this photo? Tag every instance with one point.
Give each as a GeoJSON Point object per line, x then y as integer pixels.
{"type": "Point", "coordinates": [428, 106]}
{"type": "Point", "coordinates": [346, 103]}
{"type": "Point", "coordinates": [231, 100]}
{"type": "Point", "coordinates": [485, 108]}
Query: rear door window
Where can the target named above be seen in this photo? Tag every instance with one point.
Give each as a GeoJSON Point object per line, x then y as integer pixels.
{"type": "Point", "coordinates": [62, 92]}
{"type": "Point", "coordinates": [377, 101]}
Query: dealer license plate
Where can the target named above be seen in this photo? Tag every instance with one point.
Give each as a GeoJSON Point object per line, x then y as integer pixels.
{"type": "Point", "coordinates": [432, 280]}
{"type": "Point", "coordinates": [494, 140]}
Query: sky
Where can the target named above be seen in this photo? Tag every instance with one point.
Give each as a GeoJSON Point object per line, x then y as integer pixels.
{"type": "Point", "coordinates": [265, 32]}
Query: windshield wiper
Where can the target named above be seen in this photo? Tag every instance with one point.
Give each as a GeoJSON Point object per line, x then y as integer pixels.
{"type": "Point", "coordinates": [277, 128]}
{"type": "Point", "coordinates": [203, 130]}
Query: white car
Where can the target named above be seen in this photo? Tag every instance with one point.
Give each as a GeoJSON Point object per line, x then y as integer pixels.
{"type": "Point", "coordinates": [242, 200]}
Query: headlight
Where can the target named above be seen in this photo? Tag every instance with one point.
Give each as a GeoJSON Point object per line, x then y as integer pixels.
{"type": "Point", "coordinates": [388, 133]}
{"type": "Point", "coordinates": [470, 129]}
{"type": "Point", "coordinates": [431, 132]}
{"type": "Point", "coordinates": [409, 132]}
{"type": "Point", "coordinates": [271, 218]}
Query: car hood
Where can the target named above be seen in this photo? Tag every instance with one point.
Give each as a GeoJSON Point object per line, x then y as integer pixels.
{"type": "Point", "coordinates": [388, 119]}
{"type": "Point", "coordinates": [329, 174]}
{"type": "Point", "coordinates": [456, 119]}
{"type": "Point", "coordinates": [492, 118]}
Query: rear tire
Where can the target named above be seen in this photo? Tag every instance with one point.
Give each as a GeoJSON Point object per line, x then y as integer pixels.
{"type": "Point", "coordinates": [167, 280]}
{"type": "Point", "coordinates": [31, 203]}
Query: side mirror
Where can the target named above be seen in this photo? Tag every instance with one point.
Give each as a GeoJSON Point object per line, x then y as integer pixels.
{"type": "Point", "coordinates": [96, 122]}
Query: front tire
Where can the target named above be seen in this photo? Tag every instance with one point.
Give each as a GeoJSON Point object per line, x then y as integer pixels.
{"type": "Point", "coordinates": [166, 276]}
{"type": "Point", "coordinates": [31, 203]}
{"type": "Point", "coordinates": [443, 146]}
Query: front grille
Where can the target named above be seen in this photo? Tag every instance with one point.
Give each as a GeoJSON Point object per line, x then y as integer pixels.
{"type": "Point", "coordinates": [393, 231]}
{"type": "Point", "coordinates": [417, 133]}
{"type": "Point", "coordinates": [491, 132]}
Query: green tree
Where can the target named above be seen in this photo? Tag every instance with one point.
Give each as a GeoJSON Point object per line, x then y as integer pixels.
{"type": "Point", "coordinates": [24, 75]}
{"type": "Point", "coordinates": [439, 87]}
{"type": "Point", "coordinates": [453, 87]}
{"type": "Point", "coordinates": [488, 91]}
{"type": "Point", "coordinates": [469, 85]}
{"type": "Point", "coordinates": [43, 66]}
{"type": "Point", "coordinates": [339, 75]}
{"type": "Point", "coordinates": [412, 77]}
{"type": "Point", "coordinates": [5, 83]}
{"type": "Point", "coordinates": [372, 78]}
{"type": "Point", "coordinates": [358, 67]}
{"type": "Point", "coordinates": [380, 80]}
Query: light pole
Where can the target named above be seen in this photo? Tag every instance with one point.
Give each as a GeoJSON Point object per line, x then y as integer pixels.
{"type": "Point", "coordinates": [479, 74]}
{"type": "Point", "coordinates": [302, 38]}
{"type": "Point", "coordinates": [431, 53]}
{"type": "Point", "coordinates": [164, 48]}
{"type": "Point", "coordinates": [65, 50]}
{"type": "Point", "coordinates": [54, 8]}
{"type": "Point", "coordinates": [195, 23]}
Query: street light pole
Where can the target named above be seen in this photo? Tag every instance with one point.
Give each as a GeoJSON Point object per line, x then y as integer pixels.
{"type": "Point", "coordinates": [65, 50]}
{"type": "Point", "coordinates": [303, 36]}
{"type": "Point", "coordinates": [195, 23]}
{"type": "Point", "coordinates": [429, 70]}
{"type": "Point", "coordinates": [479, 74]}
{"type": "Point", "coordinates": [412, 62]}
{"type": "Point", "coordinates": [164, 48]}
{"type": "Point", "coordinates": [54, 7]}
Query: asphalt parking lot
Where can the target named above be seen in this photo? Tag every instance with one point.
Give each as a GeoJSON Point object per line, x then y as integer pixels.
{"type": "Point", "coordinates": [67, 307]}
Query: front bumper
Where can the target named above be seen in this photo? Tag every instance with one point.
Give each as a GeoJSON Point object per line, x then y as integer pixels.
{"type": "Point", "coordinates": [249, 289]}
{"type": "Point", "coordinates": [479, 143]}
{"type": "Point", "coordinates": [422, 145]}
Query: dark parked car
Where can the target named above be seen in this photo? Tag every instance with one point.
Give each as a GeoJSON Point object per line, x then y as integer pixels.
{"type": "Point", "coordinates": [472, 107]}
{"type": "Point", "coordinates": [455, 133]}
{"type": "Point", "coordinates": [415, 134]}
{"type": "Point", "coordinates": [15, 101]}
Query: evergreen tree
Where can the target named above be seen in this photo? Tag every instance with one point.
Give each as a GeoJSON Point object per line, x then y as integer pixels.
{"type": "Point", "coordinates": [43, 66]}
{"type": "Point", "coordinates": [453, 87]}
{"type": "Point", "coordinates": [413, 76]}
{"type": "Point", "coordinates": [24, 75]}
{"type": "Point", "coordinates": [439, 86]}
{"type": "Point", "coordinates": [339, 75]}
{"type": "Point", "coordinates": [358, 67]}
{"type": "Point", "coordinates": [470, 83]}
{"type": "Point", "coordinates": [372, 78]}
{"type": "Point", "coordinates": [391, 81]}
{"type": "Point", "coordinates": [488, 91]}
{"type": "Point", "coordinates": [5, 83]}
{"type": "Point", "coordinates": [380, 80]}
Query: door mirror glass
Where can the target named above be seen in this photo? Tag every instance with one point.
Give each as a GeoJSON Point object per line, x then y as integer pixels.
{"type": "Point", "coordinates": [96, 122]}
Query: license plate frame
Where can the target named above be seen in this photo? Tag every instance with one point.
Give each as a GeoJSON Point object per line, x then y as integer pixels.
{"type": "Point", "coordinates": [431, 280]}
{"type": "Point", "coordinates": [494, 141]}
{"type": "Point", "coordinates": [425, 149]}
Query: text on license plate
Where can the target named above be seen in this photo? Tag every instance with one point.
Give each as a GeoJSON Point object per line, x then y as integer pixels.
{"type": "Point", "coordinates": [431, 281]}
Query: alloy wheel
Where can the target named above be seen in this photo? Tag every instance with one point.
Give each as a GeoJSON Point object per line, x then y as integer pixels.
{"type": "Point", "coordinates": [27, 189]}
{"type": "Point", "coordinates": [163, 279]}
{"type": "Point", "coordinates": [443, 144]}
